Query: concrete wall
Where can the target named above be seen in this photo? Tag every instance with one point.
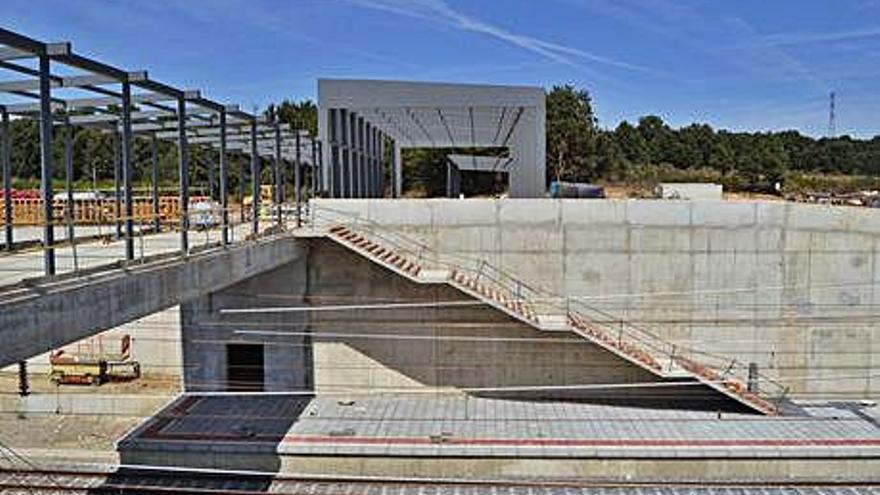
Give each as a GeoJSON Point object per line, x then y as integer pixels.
{"type": "Point", "coordinates": [331, 343]}
{"type": "Point", "coordinates": [206, 330]}
{"type": "Point", "coordinates": [43, 314]}
{"type": "Point", "coordinates": [442, 347]}
{"type": "Point", "coordinates": [788, 286]}
{"type": "Point", "coordinates": [155, 345]}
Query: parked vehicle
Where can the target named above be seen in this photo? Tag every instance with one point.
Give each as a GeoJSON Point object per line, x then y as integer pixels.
{"type": "Point", "coordinates": [92, 364]}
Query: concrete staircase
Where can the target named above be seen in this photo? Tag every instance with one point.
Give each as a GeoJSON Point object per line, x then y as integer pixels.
{"type": "Point", "coordinates": [638, 346]}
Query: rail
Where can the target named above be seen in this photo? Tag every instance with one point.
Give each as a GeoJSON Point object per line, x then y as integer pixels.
{"type": "Point", "coordinates": [723, 372]}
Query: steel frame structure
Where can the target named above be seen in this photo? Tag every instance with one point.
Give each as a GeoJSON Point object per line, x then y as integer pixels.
{"type": "Point", "coordinates": [429, 115]}
{"type": "Point", "coordinates": [135, 104]}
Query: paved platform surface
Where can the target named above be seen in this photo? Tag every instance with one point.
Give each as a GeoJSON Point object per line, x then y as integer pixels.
{"type": "Point", "coordinates": [28, 262]}
{"type": "Point", "coordinates": [455, 425]}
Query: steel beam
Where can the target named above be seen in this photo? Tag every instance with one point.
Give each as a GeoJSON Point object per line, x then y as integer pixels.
{"type": "Point", "coordinates": [9, 53]}
{"type": "Point", "coordinates": [79, 81]}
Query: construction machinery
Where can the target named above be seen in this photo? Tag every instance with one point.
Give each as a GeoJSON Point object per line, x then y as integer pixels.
{"type": "Point", "coordinates": [93, 363]}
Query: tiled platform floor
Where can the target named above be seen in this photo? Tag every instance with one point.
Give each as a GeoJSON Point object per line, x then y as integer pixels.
{"type": "Point", "coordinates": [453, 425]}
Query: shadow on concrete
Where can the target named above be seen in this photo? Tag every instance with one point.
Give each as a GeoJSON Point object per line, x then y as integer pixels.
{"type": "Point", "coordinates": [230, 432]}
{"type": "Point", "coordinates": [134, 480]}
{"type": "Point", "coordinates": [465, 346]}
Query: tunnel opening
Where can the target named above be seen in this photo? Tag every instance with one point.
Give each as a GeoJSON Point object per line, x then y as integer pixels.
{"type": "Point", "coordinates": [245, 367]}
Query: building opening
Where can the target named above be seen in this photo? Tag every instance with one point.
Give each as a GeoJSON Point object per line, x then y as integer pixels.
{"type": "Point", "coordinates": [244, 367]}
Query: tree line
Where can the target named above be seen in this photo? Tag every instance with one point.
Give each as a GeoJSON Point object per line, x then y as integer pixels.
{"type": "Point", "coordinates": [96, 153]}
{"type": "Point", "coordinates": [651, 151]}
{"type": "Point", "coordinates": [578, 150]}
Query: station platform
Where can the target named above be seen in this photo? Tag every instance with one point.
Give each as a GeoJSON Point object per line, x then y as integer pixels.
{"type": "Point", "coordinates": [423, 434]}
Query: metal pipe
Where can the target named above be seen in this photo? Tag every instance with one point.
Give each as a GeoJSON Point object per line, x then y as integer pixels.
{"type": "Point", "coordinates": [183, 169]}
{"type": "Point", "coordinates": [127, 170]}
{"type": "Point", "coordinates": [46, 165]}
{"type": "Point", "coordinates": [224, 196]}
{"type": "Point", "coordinates": [5, 158]}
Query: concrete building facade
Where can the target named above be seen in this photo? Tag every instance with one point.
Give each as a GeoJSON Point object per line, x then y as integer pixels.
{"type": "Point", "coordinates": [362, 121]}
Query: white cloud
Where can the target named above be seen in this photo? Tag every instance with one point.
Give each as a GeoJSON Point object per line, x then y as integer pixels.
{"type": "Point", "coordinates": [440, 12]}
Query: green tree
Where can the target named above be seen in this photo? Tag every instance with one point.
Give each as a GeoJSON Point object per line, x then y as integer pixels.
{"type": "Point", "coordinates": [571, 129]}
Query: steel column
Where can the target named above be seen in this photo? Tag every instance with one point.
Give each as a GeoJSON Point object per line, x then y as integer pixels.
{"type": "Point", "coordinates": [127, 154]}
{"type": "Point", "coordinates": [154, 169]}
{"type": "Point", "coordinates": [255, 178]}
{"type": "Point", "coordinates": [316, 170]}
{"type": "Point", "coordinates": [352, 155]}
{"type": "Point", "coordinates": [279, 199]}
{"type": "Point", "coordinates": [344, 179]}
{"type": "Point", "coordinates": [397, 167]}
{"type": "Point", "coordinates": [241, 189]}
{"type": "Point", "coordinates": [46, 164]}
{"type": "Point", "coordinates": [224, 177]}
{"type": "Point", "coordinates": [183, 170]}
{"type": "Point", "coordinates": [297, 181]}
{"type": "Point", "coordinates": [68, 178]}
{"type": "Point", "coordinates": [117, 193]}
{"type": "Point", "coordinates": [5, 158]}
{"type": "Point", "coordinates": [368, 161]}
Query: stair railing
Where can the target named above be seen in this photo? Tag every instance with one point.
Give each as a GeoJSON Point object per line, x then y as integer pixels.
{"type": "Point", "coordinates": [662, 350]}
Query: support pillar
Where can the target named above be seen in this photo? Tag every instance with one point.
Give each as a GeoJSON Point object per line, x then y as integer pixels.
{"type": "Point", "coordinates": [46, 165]}
{"type": "Point", "coordinates": [297, 181]}
{"type": "Point", "coordinates": [6, 164]}
{"type": "Point", "coordinates": [68, 179]}
{"type": "Point", "coordinates": [241, 190]}
{"type": "Point", "coordinates": [277, 163]}
{"type": "Point", "coordinates": [127, 154]}
{"type": "Point", "coordinates": [397, 167]}
{"type": "Point", "coordinates": [255, 179]}
{"type": "Point", "coordinates": [224, 179]}
{"type": "Point", "coordinates": [117, 190]}
{"type": "Point", "coordinates": [183, 169]}
{"type": "Point", "coordinates": [345, 153]}
{"type": "Point", "coordinates": [154, 172]}
{"type": "Point", "coordinates": [316, 169]}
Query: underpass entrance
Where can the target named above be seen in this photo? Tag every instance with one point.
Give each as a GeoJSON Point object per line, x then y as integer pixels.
{"type": "Point", "coordinates": [244, 367]}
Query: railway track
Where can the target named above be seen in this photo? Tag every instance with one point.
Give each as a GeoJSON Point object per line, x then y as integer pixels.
{"type": "Point", "coordinates": [159, 482]}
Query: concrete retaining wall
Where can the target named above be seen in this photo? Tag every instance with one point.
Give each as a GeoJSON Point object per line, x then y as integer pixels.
{"type": "Point", "coordinates": [788, 286]}
{"type": "Point", "coordinates": [206, 330]}
{"type": "Point", "coordinates": [442, 347]}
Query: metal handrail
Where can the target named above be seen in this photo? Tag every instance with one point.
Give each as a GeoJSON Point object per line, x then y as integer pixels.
{"type": "Point", "coordinates": [322, 216]}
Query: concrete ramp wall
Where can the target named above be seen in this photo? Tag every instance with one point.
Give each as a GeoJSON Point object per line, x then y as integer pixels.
{"type": "Point", "coordinates": [790, 287]}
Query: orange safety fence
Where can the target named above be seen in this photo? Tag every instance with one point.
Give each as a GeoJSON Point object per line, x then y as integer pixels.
{"type": "Point", "coordinates": [29, 211]}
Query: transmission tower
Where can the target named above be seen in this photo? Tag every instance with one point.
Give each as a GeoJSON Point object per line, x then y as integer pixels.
{"type": "Point", "coordinates": [832, 125]}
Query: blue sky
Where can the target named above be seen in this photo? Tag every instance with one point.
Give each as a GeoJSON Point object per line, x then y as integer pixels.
{"type": "Point", "coordinates": [743, 64]}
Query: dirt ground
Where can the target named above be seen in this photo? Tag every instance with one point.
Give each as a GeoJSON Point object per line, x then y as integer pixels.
{"type": "Point", "coordinates": [77, 432]}
{"type": "Point", "coordinates": [147, 385]}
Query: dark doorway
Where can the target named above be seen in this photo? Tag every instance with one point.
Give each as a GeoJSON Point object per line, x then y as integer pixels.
{"type": "Point", "coordinates": [244, 370]}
